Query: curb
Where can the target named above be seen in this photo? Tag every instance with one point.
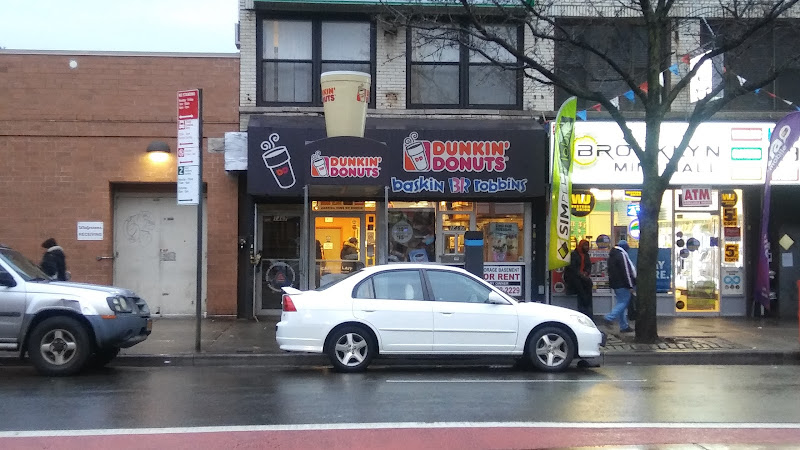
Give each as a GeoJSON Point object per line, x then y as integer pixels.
{"type": "Point", "coordinates": [289, 360]}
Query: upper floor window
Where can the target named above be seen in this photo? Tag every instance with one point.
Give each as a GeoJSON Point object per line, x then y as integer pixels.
{"type": "Point", "coordinates": [450, 69]}
{"type": "Point", "coordinates": [625, 43]}
{"type": "Point", "coordinates": [773, 47]}
{"type": "Point", "coordinates": [294, 53]}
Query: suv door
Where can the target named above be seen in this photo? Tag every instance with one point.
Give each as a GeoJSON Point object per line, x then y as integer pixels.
{"type": "Point", "coordinates": [12, 308]}
{"type": "Point", "coordinates": [463, 321]}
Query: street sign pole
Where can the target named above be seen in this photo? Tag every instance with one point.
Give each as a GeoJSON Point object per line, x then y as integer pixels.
{"type": "Point", "coordinates": [190, 179]}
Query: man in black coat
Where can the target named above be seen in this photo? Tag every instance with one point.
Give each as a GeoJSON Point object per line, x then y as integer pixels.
{"type": "Point", "coordinates": [622, 279]}
{"type": "Point", "coordinates": [54, 262]}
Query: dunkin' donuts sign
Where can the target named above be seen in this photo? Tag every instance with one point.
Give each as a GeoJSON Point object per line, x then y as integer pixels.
{"type": "Point", "coordinates": [454, 156]}
{"type": "Point", "coordinates": [430, 164]}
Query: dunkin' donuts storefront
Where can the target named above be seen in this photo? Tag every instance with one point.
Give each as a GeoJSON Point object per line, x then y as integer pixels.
{"type": "Point", "coordinates": [408, 190]}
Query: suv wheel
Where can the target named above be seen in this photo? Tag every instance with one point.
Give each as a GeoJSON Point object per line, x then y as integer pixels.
{"type": "Point", "coordinates": [59, 346]}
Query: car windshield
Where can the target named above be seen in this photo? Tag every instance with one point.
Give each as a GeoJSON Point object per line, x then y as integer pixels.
{"type": "Point", "coordinates": [22, 265]}
{"type": "Point", "coordinates": [330, 279]}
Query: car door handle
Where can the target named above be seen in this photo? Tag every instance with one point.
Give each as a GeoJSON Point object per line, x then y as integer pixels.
{"type": "Point", "coordinates": [367, 310]}
{"type": "Point", "coordinates": [447, 313]}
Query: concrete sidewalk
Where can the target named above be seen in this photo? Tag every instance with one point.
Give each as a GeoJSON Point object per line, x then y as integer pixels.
{"type": "Point", "coordinates": [706, 340]}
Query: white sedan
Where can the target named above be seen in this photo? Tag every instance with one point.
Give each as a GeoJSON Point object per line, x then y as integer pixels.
{"type": "Point", "coordinates": [428, 309]}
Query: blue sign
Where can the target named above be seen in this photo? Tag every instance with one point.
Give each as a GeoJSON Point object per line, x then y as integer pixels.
{"type": "Point", "coordinates": [633, 210]}
{"type": "Point", "coordinates": [663, 268]}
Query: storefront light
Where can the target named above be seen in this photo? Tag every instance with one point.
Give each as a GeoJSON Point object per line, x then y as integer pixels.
{"type": "Point", "coordinates": [158, 151]}
{"type": "Point", "coordinates": [601, 194]}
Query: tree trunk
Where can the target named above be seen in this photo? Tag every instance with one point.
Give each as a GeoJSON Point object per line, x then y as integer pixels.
{"type": "Point", "coordinates": [646, 326]}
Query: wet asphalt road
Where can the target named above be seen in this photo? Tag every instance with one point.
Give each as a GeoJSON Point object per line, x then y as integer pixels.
{"type": "Point", "coordinates": [130, 397]}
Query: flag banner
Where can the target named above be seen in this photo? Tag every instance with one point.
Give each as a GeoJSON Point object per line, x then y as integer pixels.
{"type": "Point", "coordinates": [561, 190]}
{"type": "Point", "coordinates": [783, 138]}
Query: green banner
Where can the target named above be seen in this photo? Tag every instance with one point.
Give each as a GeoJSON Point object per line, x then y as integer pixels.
{"type": "Point", "coordinates": [561, 190]}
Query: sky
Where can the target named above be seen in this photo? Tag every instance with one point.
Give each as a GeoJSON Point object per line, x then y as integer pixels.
{"type": "Point", "coordinates": [205, 26]}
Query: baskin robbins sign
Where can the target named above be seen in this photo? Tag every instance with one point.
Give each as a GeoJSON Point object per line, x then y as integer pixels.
{"type": "Point", "coordinates": [415, 163]}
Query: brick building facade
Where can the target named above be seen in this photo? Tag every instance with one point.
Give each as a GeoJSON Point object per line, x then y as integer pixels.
{"type": "Point", "coordinates": [73, 132]}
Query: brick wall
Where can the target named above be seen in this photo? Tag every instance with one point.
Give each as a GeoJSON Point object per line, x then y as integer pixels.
{"type": "Point", "coordinates": [70, 136]}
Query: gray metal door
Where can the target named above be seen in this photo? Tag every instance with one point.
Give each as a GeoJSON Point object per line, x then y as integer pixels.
{"type": "Point", "coordinates": [155, 249]}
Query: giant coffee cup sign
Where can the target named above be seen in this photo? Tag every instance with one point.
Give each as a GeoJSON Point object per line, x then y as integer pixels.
{"type": "Point", "coordinates": [345, 96]}
{"type": "Point", "coordinates": [581, 203]}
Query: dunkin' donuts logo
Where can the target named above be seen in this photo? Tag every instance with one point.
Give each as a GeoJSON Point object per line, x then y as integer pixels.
{"type": "Point", "coordinates": [454, 156]}
{"type": "Point", "coordinates": [345, 166]}
{"type": "Point", "coordinates": [329, 94]}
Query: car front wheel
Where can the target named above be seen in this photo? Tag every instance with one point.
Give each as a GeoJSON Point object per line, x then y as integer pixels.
{"type": "Point", "coordinates": [551, 349]}
{"type": "Point", "coordinates": [351, 349]}
{"type": "Point", "coordinates": [59, 346]}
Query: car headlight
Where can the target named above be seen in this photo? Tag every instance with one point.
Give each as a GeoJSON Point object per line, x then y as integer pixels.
{"type": "Point", "coordinates": [584, 320]}
{"type": "Point", "coordinates": [119, 304]}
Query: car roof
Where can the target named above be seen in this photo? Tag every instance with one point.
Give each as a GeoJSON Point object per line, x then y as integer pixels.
{"type": "Point", "coordinates": [402, 265]}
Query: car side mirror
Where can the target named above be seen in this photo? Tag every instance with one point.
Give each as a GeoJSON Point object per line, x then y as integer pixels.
{"type": "Point", "coordinates": [496, 299]}
{"type": "Point", "coordinates": [7, 280]}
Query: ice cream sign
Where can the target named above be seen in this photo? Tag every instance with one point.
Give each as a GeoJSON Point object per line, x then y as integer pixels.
{"type": "Point", "coordinates": [454, 156]}
{"type": "Point", "coordinates": [345, 166]}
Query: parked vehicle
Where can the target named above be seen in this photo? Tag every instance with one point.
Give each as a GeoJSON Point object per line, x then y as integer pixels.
{"type": "Point", "coordinates": [429, 309]}
{"type": "Point", "coordinates": [64, 326]}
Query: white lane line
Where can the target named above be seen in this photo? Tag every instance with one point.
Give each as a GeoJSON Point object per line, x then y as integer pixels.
{"type": "Point", "coordinates": [467, 380]}
{"type": "Point", "coordinates": [395, 425]}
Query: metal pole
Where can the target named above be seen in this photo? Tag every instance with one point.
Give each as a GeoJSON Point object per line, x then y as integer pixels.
{"type": "Point", "coordinates": [199, 299]}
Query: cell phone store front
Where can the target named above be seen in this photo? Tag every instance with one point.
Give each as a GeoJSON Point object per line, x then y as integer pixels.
{"type": "Point", "coordinates": [406, 192]}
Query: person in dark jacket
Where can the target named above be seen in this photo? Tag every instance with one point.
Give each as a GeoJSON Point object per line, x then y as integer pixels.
{"type": "Point", "coordinates": [622, 279]}
{"type": "Point", "coordinates": [349, 255]}
{"type": "Point", "coordinates": [54, 262]}
{"type": "Point", "coordinates": [578, 277]}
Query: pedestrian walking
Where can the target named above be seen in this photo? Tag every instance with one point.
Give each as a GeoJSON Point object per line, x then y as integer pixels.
{"type": "Point", "coordinates": [622, 279]}
{"type": "Point", "coordinates": [54, 262]}
{"type": "Point", "coordinates": [578, 277]}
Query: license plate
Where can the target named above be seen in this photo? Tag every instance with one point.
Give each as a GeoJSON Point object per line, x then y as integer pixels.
{"type": "Point", "coordinates": [149, 324]}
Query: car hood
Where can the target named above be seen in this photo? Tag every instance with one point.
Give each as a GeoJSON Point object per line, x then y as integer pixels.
{"type": "Point", "coordinates": [545, 311]}
{"type": "Point", "coordinates": [68, 287]}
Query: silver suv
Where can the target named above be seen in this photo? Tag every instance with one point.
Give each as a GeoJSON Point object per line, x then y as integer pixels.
{"type": "Point", "coordinates": [65, 326]}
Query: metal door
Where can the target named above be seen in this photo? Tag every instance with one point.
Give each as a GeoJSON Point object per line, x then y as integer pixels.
{"type": "Point", "coordinates": [279, 258]}
{"type": "Point", "coordinates": [155, 251]}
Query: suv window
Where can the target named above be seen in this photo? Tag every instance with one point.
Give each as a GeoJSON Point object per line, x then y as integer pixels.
{"type": "Point", "coordinates": [22, 265]}
{"type": "Point", "coordinates": [454, 287]}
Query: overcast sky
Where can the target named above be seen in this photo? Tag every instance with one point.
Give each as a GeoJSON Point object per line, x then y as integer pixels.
{"type": "Point", "coordinates": [119, 25]}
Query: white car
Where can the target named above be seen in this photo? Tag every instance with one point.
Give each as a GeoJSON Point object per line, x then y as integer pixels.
{"type": "Point", "coordinates": [428, 309]}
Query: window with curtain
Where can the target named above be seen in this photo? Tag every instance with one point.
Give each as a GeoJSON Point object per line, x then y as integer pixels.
{"type": "Point", "coordinates": [295, 52]}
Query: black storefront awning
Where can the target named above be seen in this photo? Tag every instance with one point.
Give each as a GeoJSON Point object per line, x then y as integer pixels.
{"type": "Point", "coordinates": [414, 158]}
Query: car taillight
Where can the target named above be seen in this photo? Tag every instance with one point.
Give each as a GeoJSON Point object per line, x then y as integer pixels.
{"type": "Point", "coordinates": [288, 305]}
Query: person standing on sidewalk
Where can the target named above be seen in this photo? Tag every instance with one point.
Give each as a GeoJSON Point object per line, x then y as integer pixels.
{"type": "Point", "coordinates": [622, 279]}
{"type": "Point", "coordinates": [578, 277]}
{"type": "Point", "coordinates": [54, 262]}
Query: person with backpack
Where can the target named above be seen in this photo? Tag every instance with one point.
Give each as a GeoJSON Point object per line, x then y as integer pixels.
{"type": "Point", "coordinates": [622, 279]}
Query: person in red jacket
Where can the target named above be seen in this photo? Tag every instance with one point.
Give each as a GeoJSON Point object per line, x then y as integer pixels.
{"type": "Point", "coordinates": [578, 277]}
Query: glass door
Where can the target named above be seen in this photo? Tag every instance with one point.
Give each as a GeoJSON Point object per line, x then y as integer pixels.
{"type": "Point", "coordinates": [277, 261]}
{"type": "Point", "coordinates": [339, 245]}
{"type": "Point", "coordinates": [697, 263]}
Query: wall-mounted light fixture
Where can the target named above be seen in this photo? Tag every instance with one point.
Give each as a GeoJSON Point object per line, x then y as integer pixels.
{"type": "Point", "coordinates": [158, 151]}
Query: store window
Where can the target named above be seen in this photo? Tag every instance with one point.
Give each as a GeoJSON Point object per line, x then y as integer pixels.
{"type": "Point", "coordinates": [295, 52]}
{"type": "Point", "coordinates": [502, 226]}
{"type": "Point", "coordinates": [412, 231]}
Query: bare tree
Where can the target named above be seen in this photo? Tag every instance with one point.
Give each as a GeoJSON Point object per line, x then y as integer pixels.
{"type": "Point", "coordinates": [724, 33]}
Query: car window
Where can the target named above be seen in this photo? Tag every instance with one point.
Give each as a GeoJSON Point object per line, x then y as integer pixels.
{"type": "Point", "coordinates": [392, 285]}
{"type": "Point", "coordinates": [455, 287]}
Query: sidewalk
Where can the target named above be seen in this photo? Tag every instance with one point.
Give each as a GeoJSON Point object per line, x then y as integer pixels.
{"type": "Point", "coordinates": [706, 340]}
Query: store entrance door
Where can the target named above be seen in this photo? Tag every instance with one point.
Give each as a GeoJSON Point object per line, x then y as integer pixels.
{"type": "Point", "coordinates": [342, 245]}
{"type": "Point", "coordinates": [453, 220]}
{"type": "Point", "coordinates": [697, 262]}
{"type": "Point", "coordinates": [278, 258]}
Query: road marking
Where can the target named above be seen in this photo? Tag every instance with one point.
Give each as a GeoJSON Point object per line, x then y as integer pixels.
{"type": "Point", "coordinates": [396, 425]}
{"type": "Point", "coordinates": [467, 380]}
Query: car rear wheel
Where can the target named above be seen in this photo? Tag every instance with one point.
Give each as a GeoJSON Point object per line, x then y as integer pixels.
{"type": "Point", "coordinates": [551, 349]}
{"type": "Point", "coordinates": [59, 346]}
{"type": "Point", "coordinates": [351, 349]}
